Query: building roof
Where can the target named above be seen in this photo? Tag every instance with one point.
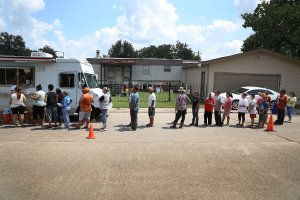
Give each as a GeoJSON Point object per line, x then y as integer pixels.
{"type": "Point", "coordinates": [25, 59]}
{"type": "Point", "coordinates": [256, 51]}
{"type": "Point", "coordinates": [135, 61]}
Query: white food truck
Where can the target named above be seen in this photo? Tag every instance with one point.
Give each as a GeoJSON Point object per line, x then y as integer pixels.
{"type": "Point", "coordinates": [67, 74]}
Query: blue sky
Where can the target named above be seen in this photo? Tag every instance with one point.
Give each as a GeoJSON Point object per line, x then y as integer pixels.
{"type": "Point", "coordinates": [78, 28]}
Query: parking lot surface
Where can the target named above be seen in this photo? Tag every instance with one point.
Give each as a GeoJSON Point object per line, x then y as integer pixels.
{"type": "Point", "coordinates": [151, 163]}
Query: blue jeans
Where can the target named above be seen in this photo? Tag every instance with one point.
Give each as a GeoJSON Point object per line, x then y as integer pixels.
{"type": "Point", "coordinates": [289, 111]}
{"type": "Point", "coordinates": [104, 117]}
{"type": "Point", "coordinates": [66, 118]}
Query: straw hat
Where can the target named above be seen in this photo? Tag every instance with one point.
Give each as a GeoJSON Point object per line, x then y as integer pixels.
{"type": "Point", "coordinates": [181, 89]}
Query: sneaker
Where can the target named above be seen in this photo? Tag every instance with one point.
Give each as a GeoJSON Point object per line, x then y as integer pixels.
{"type": "Point", "coordinates": [191, 124]}
{"type": "Point", "coordinates": [103, 129]}
{"type": "Point", "coordinates": [173, 126]}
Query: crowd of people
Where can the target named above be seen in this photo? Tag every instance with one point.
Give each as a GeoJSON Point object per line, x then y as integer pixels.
{"type": "Point", "coordinates": [52, 106]}
{"type": "Point", "coordinates": [55, 107]}
{"type": "Point", "coordinates": [213, 104]}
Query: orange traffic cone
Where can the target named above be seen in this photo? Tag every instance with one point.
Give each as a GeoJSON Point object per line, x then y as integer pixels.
{"type": "Point", "coordinates": [91, 133]}
{"type": "Point", "coordinates": [270, 126]}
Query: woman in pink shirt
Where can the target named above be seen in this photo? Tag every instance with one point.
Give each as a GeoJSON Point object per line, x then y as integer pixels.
{"type": "Point", "coordinates": [227, 108]}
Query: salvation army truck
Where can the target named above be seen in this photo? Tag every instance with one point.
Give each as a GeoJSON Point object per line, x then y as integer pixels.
{"type": "Point", "coordinates": [41, 68]}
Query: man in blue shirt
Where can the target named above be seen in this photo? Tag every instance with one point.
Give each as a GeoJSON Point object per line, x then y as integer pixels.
{"type": "Point", "coordinates": [134, 107]}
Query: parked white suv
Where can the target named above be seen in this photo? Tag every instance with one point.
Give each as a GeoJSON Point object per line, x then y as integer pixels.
{"type": "Point", "coordinates": [236, 93]}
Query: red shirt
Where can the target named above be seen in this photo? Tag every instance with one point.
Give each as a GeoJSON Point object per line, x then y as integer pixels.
{"type": "Point", "coordinates": [208, 104]}
{"type": "Point", "coordinates": [281, 102]}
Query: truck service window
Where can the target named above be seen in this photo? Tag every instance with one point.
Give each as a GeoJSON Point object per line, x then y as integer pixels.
{"type": "Point", "coordinates": [66, 80]}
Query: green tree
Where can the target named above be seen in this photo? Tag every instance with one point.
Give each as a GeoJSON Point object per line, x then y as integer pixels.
{"type": "Point", "coordinates": [13, 45]}
{"type": "Point", "coordinates": [122, 50]}
{"type": "Point", "coordinates": [165, 51]}
{"type": "Point", "coordinates": [148, 52]}
{"type": "Point", "coordinates": [276, 26]}
{"type": "Point", "coordinates": [182, 51]}
{"type": "Point", "coordinates": [48, 49]}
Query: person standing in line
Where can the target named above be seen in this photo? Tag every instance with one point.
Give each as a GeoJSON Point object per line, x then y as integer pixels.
{"type": "Point", "coordinates": [292, 99]}
{"type": "Point", "coordinates": [65, 108]}
{"type": "Point", "coordinates": [60, 97]}
{"type": "Point", "coordinates": [104, 105]}
{"type": "Point", "coordinates": [209, 104]}
{"type": "Point", "coordinates": [85, 105]}
{"type": "Point", "coordinates": [129, 101]}
{"type": "Point", "coordinates": [151, 106]}
{"type": "Point", "coordinates": [218, 105]}
{"type": "Point", "coordinates": [181, 107]}
{"type": "Point", "coordinates": [252, 110]}
{"type": "Point", "coordinates": [282, 100]}
{"type": "Point", "coordinates": [51, 103]}
{"type": "Point", "coordinates": [195, 108]}
{"type": "Point", "coordinates": [242, 109]}
{"type": "Point", "coordinates": [17, 104]}
{"type": "Point", "coordinates": [227, 108]}
{"type": "Point", "coordinates": [263, 111]}
{"type": "Point", "coordinates": [39, 104]}
{"type": "Point", "coordinates": [134, 107]}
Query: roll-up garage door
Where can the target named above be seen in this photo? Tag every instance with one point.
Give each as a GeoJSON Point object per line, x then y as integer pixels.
{"type": "Point", "coordinates": [229, 81]}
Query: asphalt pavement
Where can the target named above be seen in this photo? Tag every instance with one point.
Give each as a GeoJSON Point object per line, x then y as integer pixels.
{"type": "Point", "coordinates": [151, 163]}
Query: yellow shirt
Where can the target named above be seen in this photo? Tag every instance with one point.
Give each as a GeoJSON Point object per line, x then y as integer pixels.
{"type": "Point", "coordinates": [291, 101]}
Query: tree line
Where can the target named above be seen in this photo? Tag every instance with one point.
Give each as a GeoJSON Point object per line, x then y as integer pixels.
{"type": "Point", "coordinates": [275, 25]}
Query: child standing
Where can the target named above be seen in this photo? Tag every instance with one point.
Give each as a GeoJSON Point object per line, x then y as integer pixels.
{"type": "Point", "coordinates": [209, 104]}
{"type": "Point", "coordinates": [292, 99]}
{"type": "Point", "coordinates": [195, 109]}
{"type": "Point", "coordinates": [252, 110]}
{"type": "Point", "coordinates": [263, 111]}
{"type": "Point", "coordinates": [227, 108]}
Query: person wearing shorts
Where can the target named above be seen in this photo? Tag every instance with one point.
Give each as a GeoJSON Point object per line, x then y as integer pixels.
{"type": "Point", "coordinates": [85, 105]}
{"type": "Point", "coordinates": [227, 108]}
{"type": "Point", "coordinates": [151, 106]}
{"type": "Point", "coordinates": [38, 107]}
{"type": "Point", "coordinates": [252, 110]}
{"type": "Point", "coordinates": [51, 103]}
{"type": "Point", "coordinates": [263, 111]}
{"type": "Point", "coordinates": [17, 104]}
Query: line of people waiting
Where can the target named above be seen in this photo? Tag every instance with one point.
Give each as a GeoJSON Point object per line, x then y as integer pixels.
{"type": "Point", "coordinates": [213, 105]}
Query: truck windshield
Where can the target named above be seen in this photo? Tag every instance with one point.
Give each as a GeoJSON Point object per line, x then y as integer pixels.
{"type": "Point", "coordinates": [91, 80]}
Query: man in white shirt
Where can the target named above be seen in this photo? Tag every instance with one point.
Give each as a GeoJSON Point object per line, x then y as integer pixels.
{"type": "Point", "coordinates": [151, 106]}
{"type": "Point", "coordinates": [242, 109]}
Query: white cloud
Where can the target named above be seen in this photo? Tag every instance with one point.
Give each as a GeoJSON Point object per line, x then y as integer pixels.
{"type": "Point", "coordinates": [247, 5]}
{"type": "Point", "coordinates": [148, 20]}
{"type": "Point", "coordinates": [143, 23]}
{"type": "Point", "coordinates": [224, 26]}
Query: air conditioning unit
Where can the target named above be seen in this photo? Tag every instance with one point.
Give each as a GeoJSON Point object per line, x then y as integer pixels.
{"type": "Point", "coordinates": [41, 54]}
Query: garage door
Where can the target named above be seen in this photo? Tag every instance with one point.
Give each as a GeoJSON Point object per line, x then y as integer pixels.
{"type": "Point", "coordinates": [229, 81]}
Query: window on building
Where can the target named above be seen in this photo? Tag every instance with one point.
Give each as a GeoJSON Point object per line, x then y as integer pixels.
{"type": "Point", "coordinates": [16, 76]}
{"type": "Point", "coordinates": [66, 80]}
{"type": "Point", "coordinates": [167, 68]}
{"type": "Point", "coordinates": [11, 76]}
{"type": "Point", "coordinates": [146, 70]}
{"type": "Point", "coordinates": [2, 77]}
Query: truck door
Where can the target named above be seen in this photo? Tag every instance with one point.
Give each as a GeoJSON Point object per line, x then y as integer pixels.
{"type": "Point", "coordinates": [66, 82]}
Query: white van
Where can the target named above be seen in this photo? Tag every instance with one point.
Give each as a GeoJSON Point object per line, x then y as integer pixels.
{"type": "Point", "coordinates": [67, 74]}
